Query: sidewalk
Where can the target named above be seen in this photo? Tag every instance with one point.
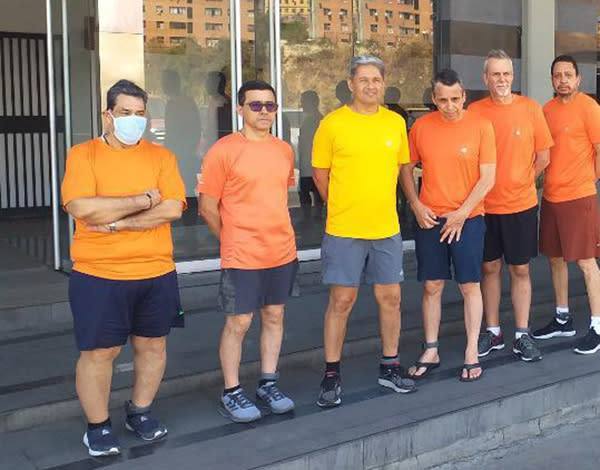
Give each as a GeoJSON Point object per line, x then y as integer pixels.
{"type": "Point", "coordinates": [40, 391]}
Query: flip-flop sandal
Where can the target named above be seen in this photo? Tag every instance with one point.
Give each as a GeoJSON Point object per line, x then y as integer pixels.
{"type": "Point", "coordinates": [469, 367]}
{"type": "Point", "coordinates": [428, 366]}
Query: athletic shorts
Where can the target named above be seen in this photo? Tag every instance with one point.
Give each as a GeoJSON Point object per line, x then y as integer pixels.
{"type": "Point", "coordinates": [344, 260]}
{"type": "Point", "coordinates": [435, 259]}
{"type": "Point", "coordinates": [248, 290]}
{"type": "Point", "coordinates": [513, 236]}
{"type": "Point", "coordinates": [570, 229]}
{"type": "Point", "coordinates": [106, 312]}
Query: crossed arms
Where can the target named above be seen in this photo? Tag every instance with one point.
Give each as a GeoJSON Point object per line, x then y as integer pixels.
{"type": "Point", "coordinates": [134, 213]}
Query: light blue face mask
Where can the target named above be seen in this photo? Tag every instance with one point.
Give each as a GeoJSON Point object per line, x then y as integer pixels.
{"type": "Point", "coordinates": [129, 129]}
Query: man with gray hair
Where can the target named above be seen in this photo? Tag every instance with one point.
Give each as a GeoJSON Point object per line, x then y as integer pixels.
{"type": "Point", "coordinates": [357, 152]}
{"type": "Point", "coordinates": [523, 141]}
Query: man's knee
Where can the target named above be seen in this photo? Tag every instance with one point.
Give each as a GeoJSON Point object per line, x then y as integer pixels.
{"type": "Point", "coordinates": [588, 266]}
{"type": "Point", "coordinates": [433, 288]}
{"type": "Point", "coordinates": [469, 289]}
{"type": "Point", "coordinates": [142, 344]}
{"type": "Point", "coordinates": [519, 271]}
{"type": "Point", "coordinates": [101, 355]}
{"type": "Point", "coordinates": [388, 296]}
{"type": "Point", "coordinates": [340, 303]}
{"type": "Point", "coordinates": [272, 315]}
{"type": "Point", "coordinates": [492, 268]}
{"type": "Point", "coordinates": [238, 324]}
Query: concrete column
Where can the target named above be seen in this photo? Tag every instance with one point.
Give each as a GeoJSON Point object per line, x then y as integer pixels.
{"type": "Point", "coordinates": [537, 44]}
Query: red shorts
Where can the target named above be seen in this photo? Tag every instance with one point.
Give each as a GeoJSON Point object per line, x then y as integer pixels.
{"type": "Point", "coordinates": [570, 229]}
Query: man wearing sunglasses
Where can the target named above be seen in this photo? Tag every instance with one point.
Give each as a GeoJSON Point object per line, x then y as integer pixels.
{"type": "Point", "coordinates": [244, 200]}
{"type": "Point", "coordinates": [357, 152]}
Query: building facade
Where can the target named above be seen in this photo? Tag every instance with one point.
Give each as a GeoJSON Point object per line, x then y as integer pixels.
{"type": "Point", "coordinates": [58, 58]}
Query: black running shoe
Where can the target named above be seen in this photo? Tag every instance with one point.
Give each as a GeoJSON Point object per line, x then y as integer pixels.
{"type": "Point", "coordinates": [396, 378]}
{"type": "Point", "coordinates": [526, 349]}
{"type": "Point", "coordinates": [589, 344]}
{"type": "Point", "coordinates": [489, 342]}
{"type": "Point", "coordinates": [555, 330]}
{"type": "Point", "coordinates": [331, 391]}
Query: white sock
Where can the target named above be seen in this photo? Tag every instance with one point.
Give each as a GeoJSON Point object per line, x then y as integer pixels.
{"type": "Point", "coordinates": [595, 323]}
{"type": "Point", "coordinates": [561, 311]}
{"type": "Point", "coordinates": [495, 330]}
{"type": "Point", "coordinates": [518, 334]}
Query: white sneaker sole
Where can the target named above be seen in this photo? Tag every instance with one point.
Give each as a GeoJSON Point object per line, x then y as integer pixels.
{"type": "Point", "coordinates": [99, 453]}
{"type": "Point", "coordinates": [493, 348]}
{"type": "Point", "coordinates": [394, 387]}
{"type": "Point", "coordinates": [556, 334]}
{"type": "Point", "coordinates": [591, 351]}
{"type": "Point", "coordinates": [526, 359]}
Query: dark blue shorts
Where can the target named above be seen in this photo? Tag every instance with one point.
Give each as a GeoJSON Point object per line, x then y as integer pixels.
{"type": "Point", "coordinates": [248, 290]}
{"type": "Point", "coordinates": [106, 312]}
{"type": "Point", "coordinates": [435, 258]}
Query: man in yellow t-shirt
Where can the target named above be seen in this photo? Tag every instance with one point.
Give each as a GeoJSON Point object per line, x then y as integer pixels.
{"type": "Point", "coordinates": [357, 152]}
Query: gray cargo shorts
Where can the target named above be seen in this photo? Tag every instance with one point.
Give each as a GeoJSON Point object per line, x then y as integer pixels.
{"type": "Point", "coordinates": [345, 260]}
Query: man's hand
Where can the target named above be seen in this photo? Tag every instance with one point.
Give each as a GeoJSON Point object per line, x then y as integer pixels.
{"type": "Point", "coordinates": [104, 228]}
{"type": "Point", "coordinates": [155, 197]}
{"type": "Point", "coordinates": [452, 229]}
{"type": "Point", "coordinates": [426, 218]}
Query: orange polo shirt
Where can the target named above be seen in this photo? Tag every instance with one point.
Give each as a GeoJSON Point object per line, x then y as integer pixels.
{"type": "Point", "coordinates": [250, 179]}
{"type": "Point", "coordinates": [520, 130]}
{"type": "Point", "coordinates": [94, 169]}
{"type": "Point", "coordinates": [575, 128]}
{"type": "Point", "coordinates": [450, 153]}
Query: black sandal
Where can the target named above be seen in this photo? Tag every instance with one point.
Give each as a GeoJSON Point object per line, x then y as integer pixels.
{"type": "Point", "coordinates": [428, 366]}
{"type": "Point", "coordinates": [469, 367]}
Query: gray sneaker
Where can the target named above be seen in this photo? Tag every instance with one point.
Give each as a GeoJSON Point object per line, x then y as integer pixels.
{"type": "Point", "coordinates": [272, 396]}
{"type": "Point", "coordinates": [526, 349]}
{"type": "Point", "coordinates": [238, 408]}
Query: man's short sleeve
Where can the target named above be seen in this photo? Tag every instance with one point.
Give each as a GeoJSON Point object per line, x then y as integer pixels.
{"type": "Point", "coordinates": [592, 122]}
{"type": "Point", "coordinates": [415, 157]}
{"type": "Point", "coordinates": [403, 151]}
{"type": "Point", "coordinates": [213, 174]}
{"type": "Point", "coordinates": [322, 152]}
{"type": "Point", "coordinates": [541, 132]}
{"type": "Point", "coordinates": [170, 184]}
{"type": "Point", "coordinates": [487, 149]}
{"type": "Point", "coordinates": [79, 180]}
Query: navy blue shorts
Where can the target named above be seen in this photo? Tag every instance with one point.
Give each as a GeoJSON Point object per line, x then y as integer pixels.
{"type": "Point", "coordinates": [106, 312]}
{"type": "Point", "coordinates": [435, 258]}
{"type": "Point", "coordinates": [248, 290]}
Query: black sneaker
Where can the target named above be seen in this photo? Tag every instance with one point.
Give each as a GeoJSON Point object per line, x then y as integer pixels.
{"type": "Point", "coordinates": [489, 342]}
{"type": "Point", "coordinates": [396, 378]}
{"type": "Point", "coordinates": [589, 344]}
{"type": "Point", "coordinates": [145, 426]}
{"type": "Point", "coordinates": [331, 391]}
{"type": "Point", "coordinates": [555, 330]}
{"type": "Point", "coordinates": [101, 442]}
{"type": "Point", "coordinates": [526, 349]}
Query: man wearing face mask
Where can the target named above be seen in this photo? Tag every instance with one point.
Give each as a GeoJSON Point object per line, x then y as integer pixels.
{"type": "Point", "coordinates": [123, 193]}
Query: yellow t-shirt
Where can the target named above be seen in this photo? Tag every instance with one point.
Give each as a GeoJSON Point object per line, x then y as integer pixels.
{"type": "Point", "coordinates": [363, 153]}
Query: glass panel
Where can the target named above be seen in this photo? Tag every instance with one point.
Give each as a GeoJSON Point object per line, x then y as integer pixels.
{"type": "Point", "coordinates": [256, 40]}
{"type": "Point", "coordinates": [26, 226]}
{"type": "Point", "coordinates": [184, 65]}
{"type": "Point", "coordinates": [323, 36]}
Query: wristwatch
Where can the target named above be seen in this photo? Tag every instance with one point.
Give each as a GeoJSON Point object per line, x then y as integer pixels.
{"type": "Point", "coordinates": [112, 227]}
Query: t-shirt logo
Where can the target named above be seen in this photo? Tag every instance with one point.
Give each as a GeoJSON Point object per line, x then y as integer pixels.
{"type": "Point", "coordinates": [463, 151]}
{"type": "Point", "coordinates": [389, 143]}
{"type": "Point", "coordinates": [518, 132]}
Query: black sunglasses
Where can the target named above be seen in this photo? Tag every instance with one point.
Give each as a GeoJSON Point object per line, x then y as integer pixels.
{"type": "Point", "coordinates": [257, 106]}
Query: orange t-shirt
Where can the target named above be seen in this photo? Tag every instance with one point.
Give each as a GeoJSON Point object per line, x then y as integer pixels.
{"type": "Point", "coordinates": [520, 130]}
{"type": "Point", "coordinates": [94, 169]}
{"type": "Point", "coordinates": [575, 127]}
{"type": "Point", "coordinates": [250, 179]}
{"type": "Point", "coordinates": [450, 153]}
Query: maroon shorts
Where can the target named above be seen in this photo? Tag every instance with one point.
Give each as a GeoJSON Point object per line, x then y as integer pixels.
{"type": "Point", "coordinates": [570, 229]}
